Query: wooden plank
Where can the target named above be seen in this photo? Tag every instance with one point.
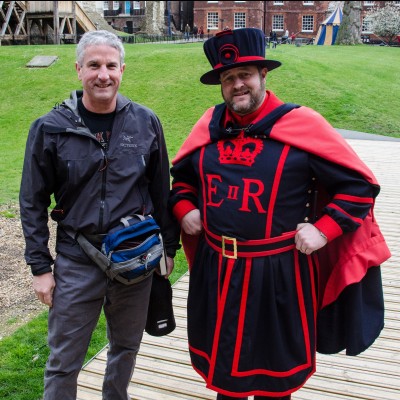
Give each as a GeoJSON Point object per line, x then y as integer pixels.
{"type": "Point", "coordinates": [346, 390]}
{"type": "Point", "coordinates": [156, 378]}
{"type": "Point", "coordinates": [85, 393]}
{"type": "Point", "coordinates": [176, 385]}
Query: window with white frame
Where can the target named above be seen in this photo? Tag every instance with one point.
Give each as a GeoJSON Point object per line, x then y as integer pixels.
{"type": "Point", "coordinates": [369, 3]}
{"type": "Point", "coordinates": [366, 25]}
{"type": "Point", "coordinates": [105, 5]}
{"type": "Point", "coordinates": [239, 20]}
{"type": "Point", "coordinates": [277, 22]}
{"type": "Point", "coordinates": [212, 1]}
{"type": "Point", "coordinates": [212, 20]}
{"type": "Point", "coordinates": [397, 3]}
{"type": "Point", "coordinates": [308, 3]}
{"type": "Point", "coordinates": [136, 5]}
{"type": "Point", "coordinates": [115, 5]}
{"type": "Point", "coordinates": [307, 23]}
{"type": "Point", "coordinates": [278, 3]}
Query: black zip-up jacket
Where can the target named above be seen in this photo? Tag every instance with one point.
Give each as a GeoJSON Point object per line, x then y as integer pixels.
{"type": "Point", "coordinates": [92, 188]}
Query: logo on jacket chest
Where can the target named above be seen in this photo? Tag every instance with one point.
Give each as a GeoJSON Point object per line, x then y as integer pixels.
{"type": "Point", "coordinates": [127, 141]}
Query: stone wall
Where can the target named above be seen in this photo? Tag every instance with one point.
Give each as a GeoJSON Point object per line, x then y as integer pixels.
{"type": "Point", "coordinates": [89, 7]}
{"type": "Point", "coordinates": [154, 22]}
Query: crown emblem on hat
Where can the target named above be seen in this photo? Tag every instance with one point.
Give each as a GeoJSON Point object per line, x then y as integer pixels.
{"type": "Point", "coordinates": [241, 150]}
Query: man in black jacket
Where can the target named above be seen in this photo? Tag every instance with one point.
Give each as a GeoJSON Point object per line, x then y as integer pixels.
{"type": "Point", "coordinates": [102, 157]}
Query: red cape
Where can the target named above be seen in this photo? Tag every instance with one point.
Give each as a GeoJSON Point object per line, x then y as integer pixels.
{"type": "Point", "coordinates": [346, 259]}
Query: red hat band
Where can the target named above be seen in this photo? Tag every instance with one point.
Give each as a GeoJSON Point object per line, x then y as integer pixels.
{"type": "Point", "coordinates": [239, 60]}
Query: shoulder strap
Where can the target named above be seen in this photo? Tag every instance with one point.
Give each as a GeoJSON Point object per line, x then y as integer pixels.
{"type": "Point", "coordinates": [125, 220]}
{"type": "Point", "coordinates": [95, 255]}
{"type": "Point", "coordinates": [265, 125]}
{"type": "Point", "coordinates": [262, 127]}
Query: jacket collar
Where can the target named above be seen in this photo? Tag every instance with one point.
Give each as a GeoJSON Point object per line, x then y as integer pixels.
{"type": "Point", "coordinates": [72, 102]}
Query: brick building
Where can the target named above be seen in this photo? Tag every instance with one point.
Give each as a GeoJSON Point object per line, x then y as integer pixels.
{"type": "Point", "coordinates": [301, 17]}
{"type": "Point", "coordinates": [294, 16]}
{"type": "Point", "coordinates": [217, 15]}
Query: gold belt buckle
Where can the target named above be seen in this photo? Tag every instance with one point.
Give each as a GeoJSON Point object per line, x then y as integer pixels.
{"type": "Point", "coordinates": [234, 244]}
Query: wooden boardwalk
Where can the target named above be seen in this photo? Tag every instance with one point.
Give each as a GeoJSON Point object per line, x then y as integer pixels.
{"type": "Point", "coordinates": [163, 370]}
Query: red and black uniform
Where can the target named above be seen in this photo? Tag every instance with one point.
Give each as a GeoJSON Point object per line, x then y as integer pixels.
{"type": "Point", "coordinates": [253, 298]}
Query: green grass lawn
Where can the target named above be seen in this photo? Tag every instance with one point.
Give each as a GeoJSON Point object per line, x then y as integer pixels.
{"type": "Point", "coordinates": [355, 88]}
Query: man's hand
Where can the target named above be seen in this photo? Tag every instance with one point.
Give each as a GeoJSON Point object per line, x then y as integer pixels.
{"type": "Point", "coordinates": [170, 266]}
{"type": "Point", "coordinates": [308, 238]}
{"type": "Point", "coordinates": [44, 285]}
{"type": "Point", "coordinates": [191, 223]}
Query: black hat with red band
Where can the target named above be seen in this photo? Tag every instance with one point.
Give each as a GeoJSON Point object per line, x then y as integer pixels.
{"type": "Point", "coordinates": [235, 48]}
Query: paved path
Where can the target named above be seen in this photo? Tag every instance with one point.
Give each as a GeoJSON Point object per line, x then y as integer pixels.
{"type": "Point", "coordinates": [365, 136]}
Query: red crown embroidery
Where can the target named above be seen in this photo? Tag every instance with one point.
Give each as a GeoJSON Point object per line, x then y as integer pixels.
{"type": "Point", "coordinates": [241, 150]}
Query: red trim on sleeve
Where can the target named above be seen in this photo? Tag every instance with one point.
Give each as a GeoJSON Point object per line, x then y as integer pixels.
{"type": "Point", "coordinates": [182, 185]}
{"type": "Point", "coordinates": [340, 209]}
{"type": "Point", "coordinates": [182, 208]}
{"type": "Point", "coordinates": [329, 227]}
{"type": "Point", "coordinates": [354, 199]}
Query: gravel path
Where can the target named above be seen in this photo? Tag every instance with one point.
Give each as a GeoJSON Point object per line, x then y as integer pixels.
{"type": "Point", "coordinates": [18, 303]}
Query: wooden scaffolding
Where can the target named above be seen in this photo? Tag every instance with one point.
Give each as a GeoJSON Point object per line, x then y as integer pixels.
{"type": "Point", "coordinates": [43, 21]}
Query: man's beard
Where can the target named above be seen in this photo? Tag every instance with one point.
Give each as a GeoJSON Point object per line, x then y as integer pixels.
{"type": "Point", "coordinates": [256, 99]}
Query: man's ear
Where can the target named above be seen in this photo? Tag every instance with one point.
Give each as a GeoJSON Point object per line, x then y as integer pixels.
{"type": "Point", "coordinates": [264, 72]}
{"type": "Point", "coordinates": [78, 70]}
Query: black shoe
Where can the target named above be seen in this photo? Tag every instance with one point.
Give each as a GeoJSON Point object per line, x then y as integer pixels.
{"type": "Point", "coordinates": [223, 397]}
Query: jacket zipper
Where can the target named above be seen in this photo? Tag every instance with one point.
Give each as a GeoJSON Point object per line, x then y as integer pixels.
{"type": "Point", "coordinates": [103, 170]}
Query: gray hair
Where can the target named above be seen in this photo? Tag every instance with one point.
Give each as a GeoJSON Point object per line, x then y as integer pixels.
{"type": "Point", "coordinates": [97, 38]}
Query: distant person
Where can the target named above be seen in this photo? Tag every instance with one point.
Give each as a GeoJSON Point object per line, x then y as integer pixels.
{"type": "Point", "coordinates": [293, 37]}
{"type": "Point", "coordinates": [195, 31]}
{"type": "Point", "coordinates": [103, 158]}
{"type": "Point", "coordinates": [187, 32]}
{"type": "Point", "coordinates": [276, 212]}
{"type": "Point", "coordinates": [285, 37]}
{"type": "Point", "coordinates": [201, 32]}
{"type": "Point", "coordinates": [274, 40]}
